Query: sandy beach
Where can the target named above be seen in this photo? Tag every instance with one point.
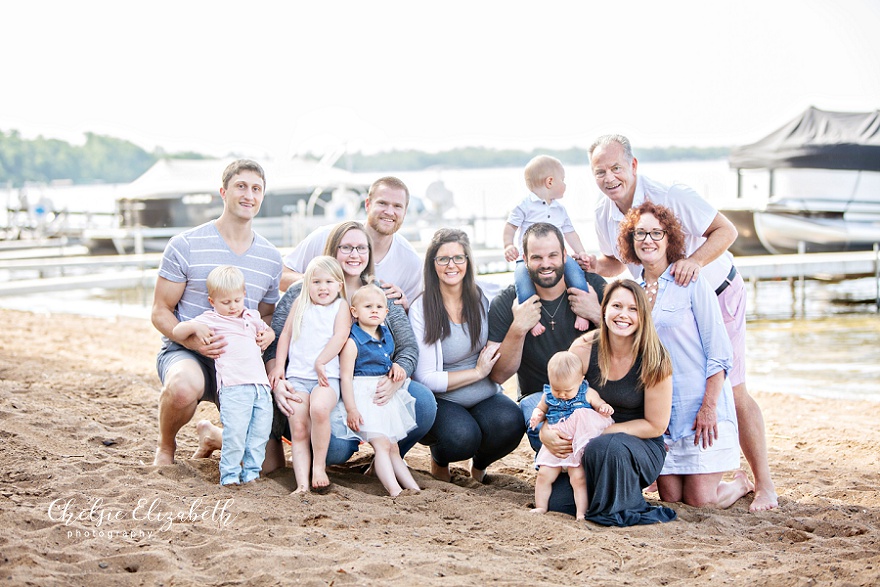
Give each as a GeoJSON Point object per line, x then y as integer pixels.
{"type": "Point", "coordinates": [82, 505]}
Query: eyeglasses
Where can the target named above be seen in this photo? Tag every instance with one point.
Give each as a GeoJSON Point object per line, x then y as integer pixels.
{"type": "Point", "coordinates": [444, 260]}
{"type": "Point", "coordinates": [655, 235]}
{"type": "Point", "coordinates": [347, 249]}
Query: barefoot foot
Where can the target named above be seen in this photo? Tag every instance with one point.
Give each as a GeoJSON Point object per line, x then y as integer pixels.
{"type": "Point", "coordinates": [441, 473]}
{"type": "Point", "coordinates": [538, 511]}
{"type": "Point", "coordinates": [538, 329]}
{"type": "Point", "coordinates": [164, 456]}
{"type": "Point", "coordinates": [300, 489]}
{"type": "Point", "coordinates": [319, 478]}
{"type": "Point", "coordinates": [478, 474]}
{"type": "Point", "coordinates": [210, 439]}
{"type": "Point", "coordinates": [581, 324]}
{"type": "Point", "coordinates": [764, 500]}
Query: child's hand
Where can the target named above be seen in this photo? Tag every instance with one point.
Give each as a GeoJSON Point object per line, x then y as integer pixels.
{"type": "Point", "coordinates": [322, 375]}
{"type": "Point", "coordinates": [285, 397]}
{"type": "Point", "coordinates": [511, 253]}
{"type": "Point", "coordinates": [397, 373]}
{"type": "Point", "coordinates": [276, 375]}
{"type": "Point", "coordinates": [203, 333]}
{"type": "Point", "coordinates": [586, 261]}
{"type": "Point", "coordinates": [604, 409]}
{"type": "Point", "coordinates": [537, 417]}
{"type": "Point", "coordinates": [265, 338]}
{"type": "Point", "coordinates": [354, 420]}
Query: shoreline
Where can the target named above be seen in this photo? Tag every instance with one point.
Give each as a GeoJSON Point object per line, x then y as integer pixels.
{"type": "Point", "coordinates": [78, 403]}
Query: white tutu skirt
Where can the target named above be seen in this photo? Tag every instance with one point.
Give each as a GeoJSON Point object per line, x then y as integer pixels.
{"type": "Point", "coordinates": [393, 420]}
{"type": "Point", "coordinates": [583, 425]}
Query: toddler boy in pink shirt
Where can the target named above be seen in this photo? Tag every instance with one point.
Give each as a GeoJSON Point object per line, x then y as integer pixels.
{"type": "Point", "coordinates": [245, 398]}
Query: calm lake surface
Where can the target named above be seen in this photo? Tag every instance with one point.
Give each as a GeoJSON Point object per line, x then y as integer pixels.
{"type": "Point", "coordinates": [826, 345]}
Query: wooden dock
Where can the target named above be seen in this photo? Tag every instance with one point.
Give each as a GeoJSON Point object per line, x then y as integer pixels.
{"type": "Point", "coordinates": [58, 271]}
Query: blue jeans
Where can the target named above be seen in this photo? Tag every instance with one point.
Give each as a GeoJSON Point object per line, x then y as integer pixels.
{"type": "Point", "coordinates": [246, 415]}
{"type": "Point", "coordinates": [485, 432]}
{"type": "Point", "coordinates": [527, 405]}
{"type": "Point", "coordinates": [340, 450]}
{"type": "Point", "coordinates": [574, 277]}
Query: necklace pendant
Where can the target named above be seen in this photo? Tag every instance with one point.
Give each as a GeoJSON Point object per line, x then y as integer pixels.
{"type": "Point", "coordinates": [553, 325]}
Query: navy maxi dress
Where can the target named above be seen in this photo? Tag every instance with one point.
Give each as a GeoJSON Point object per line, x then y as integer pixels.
{"type": "Point", "coordinates": [618, 466]}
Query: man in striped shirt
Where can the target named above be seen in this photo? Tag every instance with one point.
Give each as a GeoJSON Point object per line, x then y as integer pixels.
{"type": "Point", "coordinates": [186, 366]}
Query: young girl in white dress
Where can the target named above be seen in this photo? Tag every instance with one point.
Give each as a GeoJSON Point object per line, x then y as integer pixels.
{"type": "Point", "coordinates": [573, 407]}
{"type": "Point", "coordinates": [314, 333]}
{"type": "Point", "coordinates": [366, 358]}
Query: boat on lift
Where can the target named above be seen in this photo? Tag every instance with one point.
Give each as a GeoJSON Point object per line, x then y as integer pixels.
{"type": "Point", "coordinates": [816, 181]}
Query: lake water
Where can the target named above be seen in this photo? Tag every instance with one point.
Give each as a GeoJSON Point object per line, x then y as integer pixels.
{"type": "Point", "coordinates": [824, 346]}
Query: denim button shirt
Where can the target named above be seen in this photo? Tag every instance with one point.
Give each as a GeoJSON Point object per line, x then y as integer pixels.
{"type": "Point", "coordinates": [560, 409]}
{"type": "Point", "coordinates": [374, 356]}
{"type": "Point", "coordinates": [690, 326]}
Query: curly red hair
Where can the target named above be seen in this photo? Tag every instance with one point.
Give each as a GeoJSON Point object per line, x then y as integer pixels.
{"type": "Point", "coordinates": [675, 248]}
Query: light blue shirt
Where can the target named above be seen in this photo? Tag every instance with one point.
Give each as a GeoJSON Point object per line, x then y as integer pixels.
{"type": "Point", "coordinates": [690, 326]}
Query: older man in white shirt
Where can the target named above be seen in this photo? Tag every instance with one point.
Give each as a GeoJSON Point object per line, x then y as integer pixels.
{"type": "Point", "coordinates": [709, 234]}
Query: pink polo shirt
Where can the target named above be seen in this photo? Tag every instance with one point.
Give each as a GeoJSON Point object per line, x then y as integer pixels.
{"type": "Point", "coordinates": [242, 360]}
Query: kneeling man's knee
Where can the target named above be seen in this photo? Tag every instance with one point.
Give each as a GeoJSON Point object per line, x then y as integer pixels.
{"type": "Point", "coordinates": [183, 386]}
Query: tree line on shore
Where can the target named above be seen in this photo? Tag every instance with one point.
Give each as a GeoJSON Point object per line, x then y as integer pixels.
{"type": "Point", "coordinates": [101, 159]}
{"type": "Point", "coordinates": [484, 157]}
{"type": "Point", "coordinates": [105, 159]}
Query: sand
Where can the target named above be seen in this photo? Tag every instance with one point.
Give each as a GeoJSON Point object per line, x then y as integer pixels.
{"type": "Point", "coordinates": [82, 505]}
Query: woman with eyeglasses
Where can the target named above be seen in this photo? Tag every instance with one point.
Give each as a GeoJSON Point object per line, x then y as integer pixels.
{"type": "Point", "coordinates": [475, 420]}
{"type": "Point", "coordinates": [349, 244]}
{"type": "Point", "coordinates": [702, 439]}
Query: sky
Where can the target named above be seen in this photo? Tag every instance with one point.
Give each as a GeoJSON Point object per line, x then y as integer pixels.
{"type": "Point", "coordinates": [275, 79]}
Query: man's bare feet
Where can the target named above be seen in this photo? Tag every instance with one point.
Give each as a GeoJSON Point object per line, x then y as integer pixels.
{"type": "Point", "coordinates": [164, 456]}
{"type": "Point", "coordinates": [764, 500]}
{"type": "Point", "coordinates": [210, 439]}
{"type": "Point", "coordinates": [652, 488]}
{"type": "Point", "coordinates": [441, 473]}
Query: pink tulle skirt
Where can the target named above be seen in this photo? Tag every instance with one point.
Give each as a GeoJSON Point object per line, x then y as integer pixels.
{"type": "Point", "coordinates": [583, 425]}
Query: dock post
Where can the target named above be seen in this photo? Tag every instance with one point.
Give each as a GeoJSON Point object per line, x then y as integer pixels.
{"type": "Point", "coordinates": [877, 275]}
{"type": "Point", "coordinates": [802, 249]}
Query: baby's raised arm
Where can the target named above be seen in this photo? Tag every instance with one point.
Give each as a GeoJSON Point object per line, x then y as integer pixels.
{"type": "Point", "coordinates": [599, 404]}
{"type": "Point", "coordinates": [574, 241]}
{"type": "Point", "coordinates": [511, 253]}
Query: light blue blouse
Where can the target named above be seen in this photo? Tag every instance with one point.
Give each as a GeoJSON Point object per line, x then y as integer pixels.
{"type": "Point", "coordinates": [690, 326]}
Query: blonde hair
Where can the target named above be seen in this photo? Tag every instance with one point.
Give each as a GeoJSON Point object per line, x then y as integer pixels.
{"type": "Point", "coordinates": [321, 263]}
{"type": "Point", "coordinates": [225, 279]}
{"type": "Point", "coordinates": [539, 169]}
{"type": "Point", "coordinates": [370, 288]}
{"type": "Point", "coordinates": [564, 364]}
{"type": "Point", "coordinates": [656, 362]}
